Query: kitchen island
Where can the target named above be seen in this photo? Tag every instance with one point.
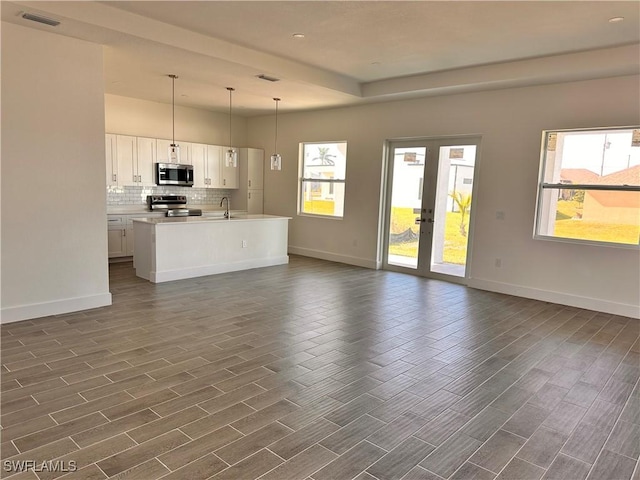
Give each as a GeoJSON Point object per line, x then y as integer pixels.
{"type": "Point", "coordinates": [168, 249]}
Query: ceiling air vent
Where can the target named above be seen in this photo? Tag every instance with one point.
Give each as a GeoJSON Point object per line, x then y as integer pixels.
{"type": "Point", "coordinates": [40, 19]}
{"type": "Point", "coordinates": [268, 78]}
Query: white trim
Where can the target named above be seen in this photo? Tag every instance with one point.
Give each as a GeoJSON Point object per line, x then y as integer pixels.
{"type": "Point", "coordinates": [55, 307]}
{"type": "Point", "coordinates": [334, 257]}
{"type": "Point", "coordinates": [180, 274]}
{"type": "Point", "coordinates": [588, 303]}
{"type": "Point", "coordinates": [580, 241]}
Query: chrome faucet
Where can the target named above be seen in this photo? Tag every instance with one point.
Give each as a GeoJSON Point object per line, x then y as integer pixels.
{"type": "Point", "coordinates": [226, 212]}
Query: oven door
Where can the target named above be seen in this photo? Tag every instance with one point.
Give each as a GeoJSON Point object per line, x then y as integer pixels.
{"type": "Point", "coordinates": [174, 174]}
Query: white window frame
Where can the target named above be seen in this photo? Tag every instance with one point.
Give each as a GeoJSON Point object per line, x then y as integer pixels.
{"type": "Point", "coordinates": [303, 179]}
{"type": "Point", "coordinates": [542, 186]}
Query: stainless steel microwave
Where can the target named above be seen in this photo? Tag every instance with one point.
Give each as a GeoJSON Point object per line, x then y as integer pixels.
{"type": "Point", "coordinates": [174, 174]}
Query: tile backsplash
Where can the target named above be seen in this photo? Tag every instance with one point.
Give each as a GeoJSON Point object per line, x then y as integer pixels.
{"type": "Point", "coordinates": [138, 195]}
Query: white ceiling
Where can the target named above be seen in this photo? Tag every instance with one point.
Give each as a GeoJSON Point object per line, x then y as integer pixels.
{"type": "Point", "coordinates": [353, 51]}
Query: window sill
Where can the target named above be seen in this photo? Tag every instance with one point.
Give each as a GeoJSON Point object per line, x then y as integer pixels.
{"type": "Point", "coordinates": [317, 215]}
{"type": "Point", "coordinates": [594, 243]}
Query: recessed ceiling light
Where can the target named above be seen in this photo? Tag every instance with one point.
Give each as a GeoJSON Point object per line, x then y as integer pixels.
{"type": "Point", "coordinates": [375, 63]}
{"type": "Point", "coordinates": [184, 95]}
{"type": "Point", "coordinates": [616, 19]}
{"type": "Point", "coordinates": [298, 35]}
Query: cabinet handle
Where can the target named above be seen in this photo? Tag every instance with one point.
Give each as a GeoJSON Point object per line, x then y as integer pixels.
{"type": "Point", "coordinates": [115, 177]}
{"type": "Point", "coordinates": [124, 233]}
{"type": "Point", "coordinates": [249, 194]}
{"type": "Point", "coordinates": [224, 181]}
{"type": "Point", "coordinates": [249, 182]}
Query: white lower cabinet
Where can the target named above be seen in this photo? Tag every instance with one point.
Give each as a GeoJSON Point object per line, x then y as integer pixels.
{"type": "Point", "coordinates": [117, 244]}
{"type": "Point", "coordinates": [120, 233]}
{"type": "Point", "coordinates": [116, 239]}
{"type": "Point", "coordinates": [128, 235]}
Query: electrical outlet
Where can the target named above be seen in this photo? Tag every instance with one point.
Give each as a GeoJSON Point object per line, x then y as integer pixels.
{"type": "Point", "coordinates": [498, 262]}
{"type": "Point", "coordinates": [244, 244]}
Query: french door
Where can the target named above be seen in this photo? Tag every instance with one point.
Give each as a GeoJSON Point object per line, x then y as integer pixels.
{"type": "Point", "coordinates": [428, 206]}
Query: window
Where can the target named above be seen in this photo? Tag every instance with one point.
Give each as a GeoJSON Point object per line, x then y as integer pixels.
{"type": "Point", "coordinates": [589, 188]}
{"type": "Point", "coordinates": [322, 178]}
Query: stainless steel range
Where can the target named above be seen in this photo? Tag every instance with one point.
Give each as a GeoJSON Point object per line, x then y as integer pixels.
{"type": "Point", "coordinates": [172, 205]}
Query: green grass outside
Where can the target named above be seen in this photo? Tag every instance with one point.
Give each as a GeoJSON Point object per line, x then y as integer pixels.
{"type": "Point", "coordinates": [455, 244]}
{"type": "Point", "coordinates": [319, 207]}
{"type": "Point", "coordinates": [568, 227]}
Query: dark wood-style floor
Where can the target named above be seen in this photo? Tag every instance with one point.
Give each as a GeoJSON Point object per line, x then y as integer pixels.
{"type": "Point", "coordinates": [321, 370]}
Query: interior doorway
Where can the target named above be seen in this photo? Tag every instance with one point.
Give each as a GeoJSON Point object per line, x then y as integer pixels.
{"type": "Point", "coordinates": [429, 205]}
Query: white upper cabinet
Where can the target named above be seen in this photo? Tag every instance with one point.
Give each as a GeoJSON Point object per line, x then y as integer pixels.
{"type": "Point", "coordinates": [255, 168]}
{"type": "Point", "coordinates": [214, 166]}
{"type": "Point", "coordinates": [230, 174]}
{"type": "Point", "coordinates": [250, 193]}
{"type": "Point", "coordinates": [126, 157]}
{"type": "Point", "coordinates": [130, 161]}
{"type": "Point", "coordinates": [162, 150]}
{"type": "Point", "coordinates": [146, 149]}
{"type": "Point", "coordinates": [112, 163]}
{"type": "Point", "coordinates": [185, 153]}
{"type": "Point", "coordinates": [199, 162]}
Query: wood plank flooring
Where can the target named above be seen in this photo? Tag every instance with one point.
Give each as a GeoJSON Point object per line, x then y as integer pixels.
{"type": "Point", "coordinates": [316, 370]}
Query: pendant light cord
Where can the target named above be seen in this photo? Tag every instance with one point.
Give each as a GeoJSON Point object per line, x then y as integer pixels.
{"type": "Point", "coordinates": [230, 92]}
{"type": "Point", "coordinates": [173, 108]}
{"type": "Point", "coordinates": [276, 139]}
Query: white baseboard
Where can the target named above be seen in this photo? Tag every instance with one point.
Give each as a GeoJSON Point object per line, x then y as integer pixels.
{"type": "Point", "coordinates": [588, 303]}
{"type": "Point", "coordinates": [56, 307]}
{"type": "Point", "coordinates": [191, 272]}
{"type": "Point", "coordinates": [334, 257]}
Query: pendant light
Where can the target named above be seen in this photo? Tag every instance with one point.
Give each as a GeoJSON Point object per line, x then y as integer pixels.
{"type": "Point", "coordinates": [174, 148]}
{"type": "Point", "coordinates": [231, 157]}
{"type": "Point", "coordinates": [276, 159]}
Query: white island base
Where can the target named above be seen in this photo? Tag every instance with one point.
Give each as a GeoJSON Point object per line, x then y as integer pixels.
{"type": "Point", "coordinates": [184, 247]}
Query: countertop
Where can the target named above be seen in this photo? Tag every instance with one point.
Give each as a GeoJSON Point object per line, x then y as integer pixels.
{"type": "Point", "coordinates": [234, 218]}
{"type": "Point", "coordinates": [144, 210]}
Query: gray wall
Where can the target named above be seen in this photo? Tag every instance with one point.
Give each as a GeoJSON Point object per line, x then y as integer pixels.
{"type": "Point", "coordinates": [54, 244]}
{"type": "Point", "coordinates": [510, 122]}
{"type": "Point", "coordinates": [142, 118]}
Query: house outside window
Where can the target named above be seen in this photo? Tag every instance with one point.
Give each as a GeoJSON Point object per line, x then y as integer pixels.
{"type": "Point", "coordinates": [589, 188]}
{"type": "Point", "coordinates": [323, 167]}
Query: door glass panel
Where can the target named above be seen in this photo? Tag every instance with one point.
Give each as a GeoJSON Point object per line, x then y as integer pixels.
{"type": "Point", "coordinates": [406, 201]}
{"type": "Point", "coordinates": [452, 209]}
